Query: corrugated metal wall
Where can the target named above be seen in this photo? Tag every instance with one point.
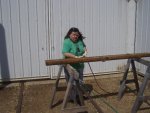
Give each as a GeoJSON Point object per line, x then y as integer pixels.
{"type": "Point", "coordinates": [103, 22]}
{"type": "Point", "coordinates": [142, 43]}
{"type": "Point", "coordinates": [24, 40]}
{"type": "Point", "coordinates": [33, 30]}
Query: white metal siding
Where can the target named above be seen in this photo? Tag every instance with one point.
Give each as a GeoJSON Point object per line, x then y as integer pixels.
{"type": "Point", "coordinates": [103, 22]}
{"type": "Point", "coordinates": [143, 29]}
{"type": "Point", "coordinates": [33, 31]}
{"type": "Point", "coordinates": [24, 24]}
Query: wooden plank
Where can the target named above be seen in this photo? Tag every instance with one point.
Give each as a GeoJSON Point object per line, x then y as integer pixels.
{"type": "Point", "coordinates": [96, 58]}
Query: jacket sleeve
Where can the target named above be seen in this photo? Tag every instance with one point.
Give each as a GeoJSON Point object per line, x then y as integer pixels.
{"type": "Point", "coordinates": [66, 47]}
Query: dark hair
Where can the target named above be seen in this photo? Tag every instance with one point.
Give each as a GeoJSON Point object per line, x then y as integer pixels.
{"type": "Point", "coordinates": [73, 29]}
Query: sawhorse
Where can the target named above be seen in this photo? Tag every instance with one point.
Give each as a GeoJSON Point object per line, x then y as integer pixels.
{"type": "Point", "coordinates": [125, 81]}
{"type": "Point", "coordinates": [64, 109]}
{"type": "Point", "coordinates": [140, 98]}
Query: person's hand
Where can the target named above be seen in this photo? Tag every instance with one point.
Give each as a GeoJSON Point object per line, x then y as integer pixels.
{"type": "Point", "coordinates": [84, 54]}
{"type": "Point", "coordinates": [79, 56]}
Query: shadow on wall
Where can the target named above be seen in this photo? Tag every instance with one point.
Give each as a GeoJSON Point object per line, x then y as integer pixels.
{"type": "Point", "coordinates": [4, 68]}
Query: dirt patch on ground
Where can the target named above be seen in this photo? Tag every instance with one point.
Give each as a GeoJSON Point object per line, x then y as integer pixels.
{"type": "Point", "coordinates": [37, 97]}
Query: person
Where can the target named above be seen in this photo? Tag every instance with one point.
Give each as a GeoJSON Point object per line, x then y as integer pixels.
{"type": "Point", "coordinates": [74, 47]}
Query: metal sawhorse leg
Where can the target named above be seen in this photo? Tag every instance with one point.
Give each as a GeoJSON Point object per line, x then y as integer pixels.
{"type": "Point", "coordinates": [81, 108]}
{"type": "Point", "coordinates": [125, 81]}
{"type": "Point", "coordinates": [55, 87]}
{"type": "Point", "coordinates": [140, 98]}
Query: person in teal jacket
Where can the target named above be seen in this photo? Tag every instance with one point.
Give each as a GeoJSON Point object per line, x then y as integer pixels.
{"type": "Point", "coordinates": [74, 47]}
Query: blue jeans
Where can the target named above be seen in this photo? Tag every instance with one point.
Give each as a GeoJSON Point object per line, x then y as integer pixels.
{"type": "Point", "coordinates": [80, 71]}
{"type": "Point", "coordinates": [73, 92]}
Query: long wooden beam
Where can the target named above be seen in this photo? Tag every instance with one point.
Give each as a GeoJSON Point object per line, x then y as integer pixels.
{"type": "Point", "coordinates": [95, 58]}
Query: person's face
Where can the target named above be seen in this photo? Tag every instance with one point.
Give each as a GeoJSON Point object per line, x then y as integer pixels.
{"type": "Point", "coordinates": [74, 36]}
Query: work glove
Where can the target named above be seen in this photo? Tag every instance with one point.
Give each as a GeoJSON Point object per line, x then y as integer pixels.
{"type": "Point", "coordinates": [84, 54]}
{"type": "Point", "coordinates": [79, 56]}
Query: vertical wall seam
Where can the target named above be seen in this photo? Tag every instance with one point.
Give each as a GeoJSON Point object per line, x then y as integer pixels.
{"type": "Point", "coordinates": [1, 11]}
{"type": "Point", "coordinates": [99, 13]}
{"type": "Point", "coordinates": [61, 24]}
{"type": "Point", "coordinates": [147, 28]}
{"type": "Point", "coordinates": [46, 15]}
{"type": "Point", "coordinates": [119, 20]}
{"type": "Point", "coordinates": [106, 30]}
{"type": "Point", "coordinates": [98, 30]}
{"type": "Point", "coordinates": [142, 24]}
{"type": "Point", "coordinates": [112, 28]}
{"type": "Point", "coordinates": [69, 12]}
{"type": "Point", "coordinates": [113, 21]}
{"type": "Point", "coordinates": [135, 25]}
{"type": "Point", "coordinates": [38, 37]}
{"type": "Point", "coordinates": [48, 33]}
{"type": "Point", "coordinates": [76, 13]}
{"type": "Point", "coordinates": [105, 34]}
{"type": "Point", "coordinates": [12, 40]}
{"type": "Point", "coordinates": [84, 14]}
{"type": "Point", "coordinates": [52, 33]}
{"type": "Point", "coordinates": [29, 38]}
{"type": "Point", "coordinates": [49, 24]}
{"type": "Point", "coordinates": [92, 23]}
{"type": "Point", "coordinates": [21, 40]}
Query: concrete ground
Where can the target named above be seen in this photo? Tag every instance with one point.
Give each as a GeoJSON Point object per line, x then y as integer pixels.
{"type": "Point", "coordinates": [37, 96]}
